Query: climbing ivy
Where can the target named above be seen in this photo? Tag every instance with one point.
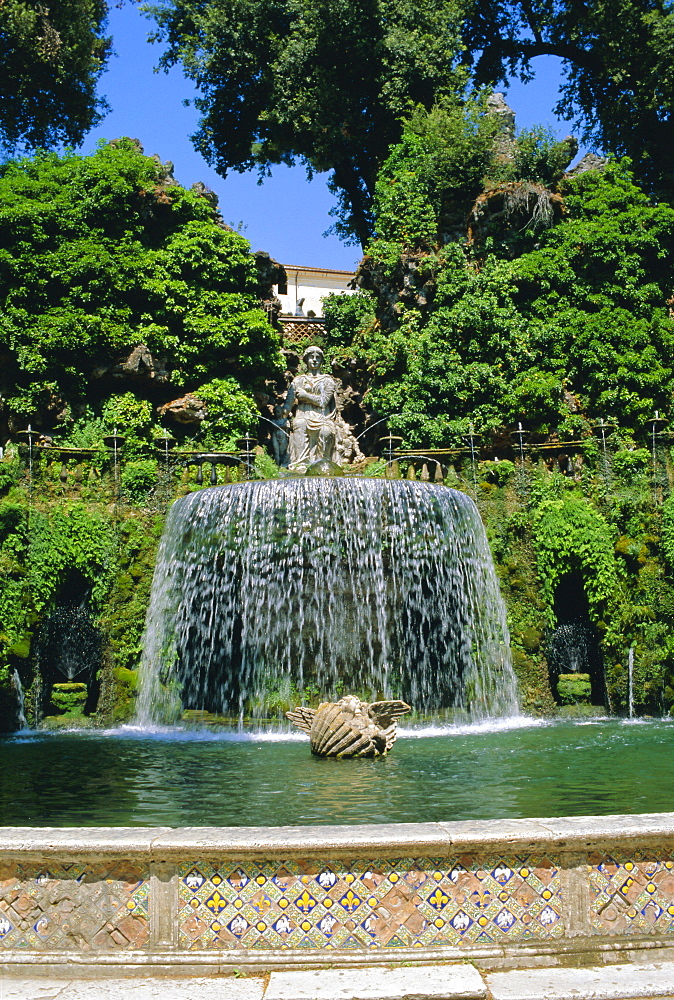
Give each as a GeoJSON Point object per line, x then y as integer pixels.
{"type": "Point", "coordinates": [667, 536]}
{"type": "Point", "coordinates": [37, 552]}
{"type": "Point", "coordinates": [570, 534]}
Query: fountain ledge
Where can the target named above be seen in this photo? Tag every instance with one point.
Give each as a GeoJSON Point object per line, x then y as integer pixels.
{"type": "Point", "coordinates": [167, 843]}
{"type": "Point", "coordinates": [518, 892]}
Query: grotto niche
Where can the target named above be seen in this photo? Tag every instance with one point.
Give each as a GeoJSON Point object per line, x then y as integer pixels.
{"type": "Point", "coordinates": [68, 654]}
{"type": "Point", "coordinates": [573, 652]}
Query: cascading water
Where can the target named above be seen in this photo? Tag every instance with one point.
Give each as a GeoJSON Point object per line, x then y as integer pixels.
{"type": "Point", "coordinates": [630, 682]}
{"type": "Point", "coordinates": [376, 587]}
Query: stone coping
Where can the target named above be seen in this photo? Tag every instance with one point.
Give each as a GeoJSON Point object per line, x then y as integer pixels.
{"type": "Point", "coordinates": [567, 833]}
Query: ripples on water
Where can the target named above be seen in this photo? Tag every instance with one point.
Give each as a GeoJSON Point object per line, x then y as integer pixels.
{"type": "Point", "coordinates": [198, 777]}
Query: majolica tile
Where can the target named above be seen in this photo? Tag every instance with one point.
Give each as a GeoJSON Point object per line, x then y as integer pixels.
{"type": "Point", "coordinates": [632, 893]}
{"type": "Point", "coordinates": [399, 903]}
{"type": "Point", "coordinates": [74, 907]}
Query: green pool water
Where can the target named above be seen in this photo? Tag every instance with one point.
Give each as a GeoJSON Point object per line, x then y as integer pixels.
{"type": "Point", "coordinates": [129, 777]}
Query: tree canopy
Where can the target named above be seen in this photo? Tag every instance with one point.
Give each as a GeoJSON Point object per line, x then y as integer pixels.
{"type": "Point", "coordinates": [51, 56]}
{"type": "Point", "coordinates": [100, 254]}
{"type": "Point", "coordinates": [618, 63]}
{"type": "Point", "coordinates": [573, 326]}
{"type": "Point", "coordinates": [326, 82]}
{"type": "Point", "coordinates": [323, 82]}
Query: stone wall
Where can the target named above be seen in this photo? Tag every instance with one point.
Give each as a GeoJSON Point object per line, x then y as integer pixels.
{"type": "Point", "coordinates": [503, 892]}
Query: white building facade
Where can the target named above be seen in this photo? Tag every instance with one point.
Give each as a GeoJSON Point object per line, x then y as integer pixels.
{"type": "Point", "coordinates": [306, 288]}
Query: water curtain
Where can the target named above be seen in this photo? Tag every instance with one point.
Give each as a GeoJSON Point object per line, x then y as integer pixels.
{"type": "Point", "coordinates": [321, 586]}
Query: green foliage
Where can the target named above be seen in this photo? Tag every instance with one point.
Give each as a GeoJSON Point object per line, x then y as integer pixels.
{"type": "Point", "coordinates": [265, 466]}
{"type": "Point", "coordinates": [574, 689]}
{"type": "Point", "coordinates": [628, 463]}
{"type": "Point", "coordinates": [126, 413]}
{"type": "Point", "coordinates": [467, 359]}
{"type": "Point", "coordinates": [12, 514]}
{"type": "Point", "coordinates": [36, 560]}
{"type": "Point", "coordinates": [69, 699]}
{"type": "Point", "coordinates": [617, 60]}
{"type": "Point", "coordinates": [51, 56]}
{"type": "Point", "coordinates": [498, 473]}
{"type": "Point", "coordinates": [539, 156]}
{"type": "Point", "coordinates": [489, 339]}
{"type": "Point", "coordinates": [66, 538]}
{"type": "Point", "coordinates": [346, 316]}
{"type": "Point", "coordinates": [434, 172]}
{"type": "Point", "coordinates": [568, 535]}
{"type": "Point", "coordinates": [597, 290]}
{"type": "Point", "coordinates": [126, 687]}
{"type": "Point", "coordinates": [101, 253]}
{"type": "Point", "coordinates": [86, 431]}
{"type": "Point", "coordinates": [231, 412]}
{"type": "Point", "coordinates": [9, 474]}
{"type": "Point", "coordinates": [667, 536]}
{"type": "Point", "coordinates": [445, 158]}
{"type": "Point", "coordinates": [139, 479]}
{"type": "Point", "coordinates": [276, 81]}
{"type": "Point", "coordinates": [122, 620]}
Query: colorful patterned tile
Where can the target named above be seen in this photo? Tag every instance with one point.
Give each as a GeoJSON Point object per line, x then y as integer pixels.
{"type": "Point", "coordinates": [86, 907]}
{"type": "Point", "coordinates": [404, 902]}
{"type": "Point", "coordinates": [632, 893]}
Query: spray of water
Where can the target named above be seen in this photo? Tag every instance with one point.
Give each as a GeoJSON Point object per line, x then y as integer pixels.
{"type": "Point", "coordinates": [20, 703]}
{"type": "Point", "coordinates": [382, 588]}
{"type": "Point", "coordinates": [630, 682]}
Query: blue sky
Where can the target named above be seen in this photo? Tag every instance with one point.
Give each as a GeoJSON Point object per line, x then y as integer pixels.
{"type": "Point", "coordinates": [286, 215]}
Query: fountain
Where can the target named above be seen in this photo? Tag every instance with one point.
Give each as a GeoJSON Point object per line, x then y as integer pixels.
{"type": "Point", "coordinates": [20, 700]}
{"type": "Point", "coordinates": [303, 587]}
{"type": "Point", "coordinates": [311, 585]}
{"type": "Point", "coordinates": [349, 727]}
{"type": "Point", "coordinates": [308, 587]}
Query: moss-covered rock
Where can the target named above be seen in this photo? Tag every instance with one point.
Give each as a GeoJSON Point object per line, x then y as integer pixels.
{"type": "Point", "coordinates": [574, 689]}
{"type": "Point", "coordinates": [531, 639]}
{"type": "Point", "coordinates": [125, 691]}
{"type": "Point", "coordinates": [68, 721]}
{"type": "Point", "coordinates": [21, 648]}
{"type": "Point", "coordinates": [69, 698]}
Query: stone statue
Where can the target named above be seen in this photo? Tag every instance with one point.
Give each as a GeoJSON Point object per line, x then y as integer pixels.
{"type": "Point", "coordinates": [347, 450]}
{"type": "Point", "coordinates": [350, 727]}
{"type": "Point", "coordinates": [313, 431]}
{"type": "Point", "coordinates": [280, 436]}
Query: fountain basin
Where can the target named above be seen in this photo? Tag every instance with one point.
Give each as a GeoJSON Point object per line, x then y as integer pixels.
{"type": "Point", "coordinates": [569, 891]}
{"type": "Point", "coordinates": [114, 869]}
{"type": "Point", "coordinates": [176, 776]}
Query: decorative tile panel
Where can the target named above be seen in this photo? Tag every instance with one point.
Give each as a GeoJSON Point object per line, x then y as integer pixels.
{"type": "Point", "coordinates": [74, 907]}
{"type": "Point", "coordinates": [401, 903]}
{"type": "Point", "coordinates": [632, 893]}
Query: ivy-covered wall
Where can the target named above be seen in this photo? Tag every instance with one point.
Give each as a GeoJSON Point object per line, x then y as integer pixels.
{"type": "Point", "coordinates": [68, 555]}
{"type": "Point", "coordinates": [606, 524]}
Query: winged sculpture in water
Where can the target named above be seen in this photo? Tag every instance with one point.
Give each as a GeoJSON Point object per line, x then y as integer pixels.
{"type": "Point", "coordinates": [350, 727]}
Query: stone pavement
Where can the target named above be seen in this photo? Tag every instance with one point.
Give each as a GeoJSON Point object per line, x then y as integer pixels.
{"type": "Point", "coordinates": [432, 982]}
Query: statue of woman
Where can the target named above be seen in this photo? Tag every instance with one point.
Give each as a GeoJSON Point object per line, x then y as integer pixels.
{"type": "Point", "coordinates": [313, 429]}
